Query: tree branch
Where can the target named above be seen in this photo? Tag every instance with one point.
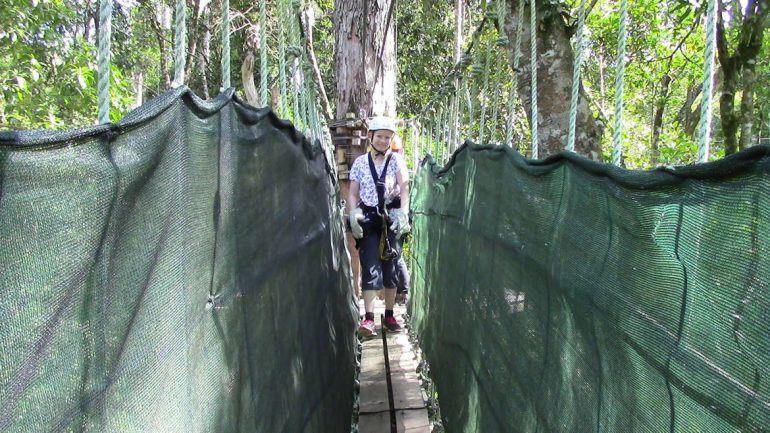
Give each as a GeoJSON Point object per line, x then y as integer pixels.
{"type": "Point", "coordinates": [307, 20]}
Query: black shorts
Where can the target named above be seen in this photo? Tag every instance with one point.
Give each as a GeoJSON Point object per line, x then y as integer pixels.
{"type": "Point", "coordinates": [376, 273]}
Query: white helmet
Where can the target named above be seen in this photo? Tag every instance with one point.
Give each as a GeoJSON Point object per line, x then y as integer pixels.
{"type": "Point", "coordinates": [382, 122]}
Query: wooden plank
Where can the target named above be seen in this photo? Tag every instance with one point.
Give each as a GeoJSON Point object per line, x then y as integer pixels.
{"type": "Point", "coordinates": [375, 423]}
{"type": "Point", "coordinates": [407, 391]}
{"type": "Point", "coordinates": [412, 421]}
{"type": "Point", "coordinates": [374, 387]}
{"type": "Point", "coordinates": [408, 399]}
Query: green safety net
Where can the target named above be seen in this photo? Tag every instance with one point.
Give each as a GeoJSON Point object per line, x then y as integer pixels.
{"type": "Point", "coordinates": [183, 270]}
{"type": "Point", "coordinates": [565, 295]}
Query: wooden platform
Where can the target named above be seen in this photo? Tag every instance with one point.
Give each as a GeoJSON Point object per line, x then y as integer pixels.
{"type": "Point", "coordinates": [403, 410]}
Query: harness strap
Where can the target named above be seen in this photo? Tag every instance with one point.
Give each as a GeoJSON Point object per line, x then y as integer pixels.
{"type": "Point", "coordinates": [379, 182]}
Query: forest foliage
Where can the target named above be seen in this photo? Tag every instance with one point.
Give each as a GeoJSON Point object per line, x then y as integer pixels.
{"type": "Point", "coordinates": [48, 65]}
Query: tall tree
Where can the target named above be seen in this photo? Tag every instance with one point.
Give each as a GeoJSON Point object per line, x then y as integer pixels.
{"type": "Point", "coordinates": [365, 66]}
{"type": "Point", "coordinates": [554, 66]}
{"type": "Point", "coordinates": [738, 68]}
{"type": "Point", "coordinates": [365, 56]}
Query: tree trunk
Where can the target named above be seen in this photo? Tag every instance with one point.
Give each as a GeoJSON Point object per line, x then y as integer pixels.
{"type": "Point", "coordinates": [250, 45]}
{"type": "Point", "coordinates": [194, 33]}
{"type": "Point", "coordinates": [747, 107]}
{"type": "Point", "coordinates": [657, 121]}
{"type": "Point", "coordinates": [308, 23]}
{"type": "Point", "coordinates": [727, 113]}
{"type": "Point", "coordinates": [555, 60]}
{"type": "Point", "coordinates": [205, 58]}
{"type": "Point", "coordinates": [3, 120]}
{"type": "Point", "coordinates": [688, 117]}
{"type": "Point", "coordinates": [159, 25]}
{"type": "Point", "coordinates": [365, 68]}
{"type": "Point", "coordinates": [138, 88]}
{"type": "Point", "coordinates": [247, 77]}
{"type": "Point", "coordinates": [365, 57]}
{"type": "Point", "coordinates": [741, 61]}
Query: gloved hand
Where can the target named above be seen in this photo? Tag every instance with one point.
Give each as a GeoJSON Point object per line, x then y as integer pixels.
{"type": "Point", "coordinates": [355, 216]}
{"type": "Point", "coordinates": [400, 225]}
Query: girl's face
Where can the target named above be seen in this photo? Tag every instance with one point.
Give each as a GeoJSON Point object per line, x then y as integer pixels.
{"type": "Point", "coordinates": [381, 139]}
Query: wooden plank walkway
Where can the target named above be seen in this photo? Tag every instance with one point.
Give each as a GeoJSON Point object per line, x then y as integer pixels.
{"type": "Point", "coordinates": [404, 409]}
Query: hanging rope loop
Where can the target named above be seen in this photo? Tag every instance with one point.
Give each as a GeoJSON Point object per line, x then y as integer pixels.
{"type": "Point", "coordinates": [105, 35]}
{"type": "Point", "coordinates": [225, 44]}
{"type": "Point", "coordinates": [617, 136]}
{"type": "Point", "coordinates": [262, 53]}
{"type": "Point", "coordinates": [576, 76]}
{"type": "Point", "coordinates": [180, 42]}
{"type": "Point", "coordinates": [708, 82]}
{"type": "Point", "coordinates": [533, 65]}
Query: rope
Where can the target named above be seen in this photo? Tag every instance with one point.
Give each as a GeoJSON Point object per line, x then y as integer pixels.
{"type": "Point", "coordinates": [448, 130]}
{"type": "Point", "coordinates": [437, 132]}
{"type": "Point", "coordinates": [414, 145]}
{"type": "Point", "coordinates": [442, 133]}
{"type": "Point", "coordinates": [620, 72]}
{"type": "Point", "coordinates": [262, 53]}
{"type": "Point", "coordinates": [225, 44]}
{"type": "Point", "coordinates": [483, 95]}
{"type": "Point", "coordinates": [282, 57]}
{"type": "Point", "coordinates": [533, 64]}
{"type": "Point", "coordinates": [708, 81]}
{"type": "Point", "coordinates": [296, 52]}
{"type": "Point", "coordinates": [303, 99]}
{"type": "Point", "coordinates": [180, 42]}
{"type": "Point", "coordinates": [469, 102]}
{"type": "Point", "coordinates": [105, 33]}
{"type": "Point", "coordinates": [495, 113]}
{"type": "Point", "coordinates": [515, 83]}
{"type": "Point", "coordinates": [576, 76]}
{"type": "Point", "coordinates": [460, 110]}
{"type": "Point", "coordinates": [313, 114]}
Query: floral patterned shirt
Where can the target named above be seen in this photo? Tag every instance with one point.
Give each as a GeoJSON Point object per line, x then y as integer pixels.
{"type": "Point", "coordinates": [368, 192]}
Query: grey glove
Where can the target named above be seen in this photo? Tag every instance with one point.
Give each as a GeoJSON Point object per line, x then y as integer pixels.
{"type": "Point", "coordinates": [400, 225]}
{"type": "Point", "coordinates": [355, 216]}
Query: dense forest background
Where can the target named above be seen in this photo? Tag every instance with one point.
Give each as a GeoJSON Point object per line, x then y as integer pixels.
{"type": "Point", "coordinates": [48, 65]}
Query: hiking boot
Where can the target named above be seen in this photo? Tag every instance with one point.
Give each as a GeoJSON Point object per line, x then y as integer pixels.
{"type": "Point", "coordinates": [392, 324]}
{"type": "Point", "coordinates": [366, 329]}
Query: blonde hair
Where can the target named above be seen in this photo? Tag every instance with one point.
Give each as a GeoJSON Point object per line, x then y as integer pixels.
{"type": "Point", "coordinates": [396, 145]}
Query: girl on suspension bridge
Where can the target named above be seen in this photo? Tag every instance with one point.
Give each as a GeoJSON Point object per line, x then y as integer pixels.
{"type": "Point", "coordinates": [378, 205]}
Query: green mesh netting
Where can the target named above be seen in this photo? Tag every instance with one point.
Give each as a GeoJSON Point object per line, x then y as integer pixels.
{"type": "Point", "coordinates": [181, 271]}
{"type": "Point", "coordinates": [569, 296]}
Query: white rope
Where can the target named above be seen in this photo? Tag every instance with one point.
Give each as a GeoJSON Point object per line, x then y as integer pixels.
{"type": "Point", "coordinates": [708, 82]}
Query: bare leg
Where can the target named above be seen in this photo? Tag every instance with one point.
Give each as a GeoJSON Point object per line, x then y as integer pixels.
{"type": "Point", "coordinates": [355, 264]}
{"type": "Point", "coordinates": [390, 298]}
{"type": "Point", "coordinates": [369, 297]}
{"type": "Point", "coordinates": [390, 301]}
{"type": "Point", "coordinates": [366, 328]}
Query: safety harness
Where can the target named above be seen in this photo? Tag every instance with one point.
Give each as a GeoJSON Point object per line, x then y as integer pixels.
{"type": "Point", "coordinates": [386, 251]}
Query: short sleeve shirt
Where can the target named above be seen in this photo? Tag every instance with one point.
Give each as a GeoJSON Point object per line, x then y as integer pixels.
{"type": "Point", "coordinates": [361, 173]}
